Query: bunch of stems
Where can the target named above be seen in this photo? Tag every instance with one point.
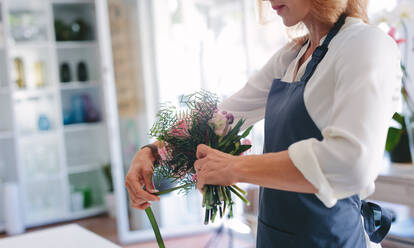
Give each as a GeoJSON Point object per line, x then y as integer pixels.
{"type": "Point", "coordinates": [217, 199]}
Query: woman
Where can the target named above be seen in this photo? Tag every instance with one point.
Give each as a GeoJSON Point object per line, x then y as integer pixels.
{"type": "Point", "coordinates": [327, 101]}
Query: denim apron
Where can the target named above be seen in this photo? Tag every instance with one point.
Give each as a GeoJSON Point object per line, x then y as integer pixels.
{"type": "Point", "coordinates": [298, 220]}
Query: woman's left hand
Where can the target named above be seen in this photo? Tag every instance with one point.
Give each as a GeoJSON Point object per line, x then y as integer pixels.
{"type": "Point", "coordinates": [214, 167]}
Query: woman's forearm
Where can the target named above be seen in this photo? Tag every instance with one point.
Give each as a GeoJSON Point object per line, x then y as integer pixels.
{"type": "Point", "coordinates": [273, 170]}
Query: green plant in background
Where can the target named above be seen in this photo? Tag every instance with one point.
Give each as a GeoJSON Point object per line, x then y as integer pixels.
{"type": "Point", "coordinates": [108, 175]}
{"type": "Point", "coordinates": [395, 133]}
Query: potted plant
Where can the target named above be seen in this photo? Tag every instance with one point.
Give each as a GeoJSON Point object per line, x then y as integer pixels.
{"type": "Point", "coordinates": [398, 142]}
{"type": "Point", "coordinates": [400, 139]}
{"type": "Point", "coordinates": [110, 196]}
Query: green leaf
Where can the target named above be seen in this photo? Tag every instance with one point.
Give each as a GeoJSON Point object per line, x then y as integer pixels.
{"type": "Point", "coordinates": [246, 132]}
{"type": "Point", "coordinates": [232, 134]}
{"type": "Point", "coordinates": [393, 138]}
{"type": "Point", "coordinates": [242, 149]}
{"type": "Point", "coordinates": [399, 118]}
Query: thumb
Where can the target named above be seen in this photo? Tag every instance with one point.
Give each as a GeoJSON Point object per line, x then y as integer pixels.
{"type": "Point", "coordinates": [202, 151]}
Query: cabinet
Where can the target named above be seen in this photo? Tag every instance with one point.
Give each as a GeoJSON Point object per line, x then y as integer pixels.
{"type": "Point", "coordinates": [55, 74]}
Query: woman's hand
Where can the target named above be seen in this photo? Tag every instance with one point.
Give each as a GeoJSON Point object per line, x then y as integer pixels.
{"type": "Point", "coordinates": [141, 173]}
{"type": "Point", "coordinates": [214, 167]}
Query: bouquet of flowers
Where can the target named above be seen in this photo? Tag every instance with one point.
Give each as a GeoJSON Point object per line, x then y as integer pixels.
{"type": "Point", "coordinates": [180, 132]}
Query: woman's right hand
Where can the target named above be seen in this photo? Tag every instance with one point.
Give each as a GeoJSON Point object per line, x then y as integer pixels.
{"type": "Point", "coordinates": [141, 174]}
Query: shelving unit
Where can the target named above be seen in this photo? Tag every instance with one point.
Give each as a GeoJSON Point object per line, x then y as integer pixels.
{"type": "Point", "coordinates": [53, 134]}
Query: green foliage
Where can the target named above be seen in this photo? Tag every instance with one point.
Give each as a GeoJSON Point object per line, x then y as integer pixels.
{"type": "Point", "coordinates": [108, 175]}
{"type": "Point", "coordinates": [394, 134]}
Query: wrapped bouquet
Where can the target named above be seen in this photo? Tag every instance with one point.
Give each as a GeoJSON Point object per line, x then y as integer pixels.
{"type": "Point", "coordinates": [179, 133]}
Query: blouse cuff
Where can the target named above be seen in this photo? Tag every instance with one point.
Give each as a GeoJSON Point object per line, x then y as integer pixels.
{"type": "Point", "coordinates": [303, 157]}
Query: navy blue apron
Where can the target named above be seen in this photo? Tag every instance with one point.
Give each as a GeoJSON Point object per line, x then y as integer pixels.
{"type": "Point", "coordinates": [290, 219]}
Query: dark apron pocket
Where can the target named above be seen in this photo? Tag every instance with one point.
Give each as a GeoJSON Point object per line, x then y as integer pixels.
{"type": "Point", "coordinates": [269, 237]}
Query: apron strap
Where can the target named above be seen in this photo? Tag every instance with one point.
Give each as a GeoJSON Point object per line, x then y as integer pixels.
{"type": "Point", "coordinates": [321, 50]}
{"type": "Point", "coordinates": [375, 216]}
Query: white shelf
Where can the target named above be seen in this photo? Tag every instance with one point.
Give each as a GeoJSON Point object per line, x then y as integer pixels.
{"type": "Point", "coordinates": [83, 168]}
{"type": "Point", "coordinates": [38, 134]}
{"type": "Point", "coordinates": [23, 106]}
{"type": "Point", "coordinates": [88, 212]}
{"type": "Point", "coordinates": [6, 135]}
{"type": "Point", "coordinates": [43, 178]}
{"type": "Point", "coordinates": [75, 44]}
{"type": "Point", "coordinates": [33, 93]}
{"type": "Point", "coordinates": [30, 45]}
{"type": "Point", "coordinates": [78, 85]}
{"type": "Point", "coordinates": [82, 126]}
{"type": "Point", "coordinates": [71, 216]}
{"type": "Point", "coordinates": [71, 1]}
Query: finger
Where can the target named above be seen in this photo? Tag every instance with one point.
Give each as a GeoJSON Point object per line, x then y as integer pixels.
{"type": "Point", "coordinates": [142, 206]}
{"type": "Point", "coordinates": [148, 175]}
{"type": "Point", "coordinates": [147, 196]}
{"type": "Point", "coordinates": [198, 166]}
{"type": "Point", "coordinates": [132, 181]}
{"type": "Point", "coordinates": [139, 192]}
{"type": "Point", "coordinates": [135, 199]}
{"type": "Point", "coordinates": [202, 151]}
{"type": "Point", "coordinates": [131, 190]}
{"type": "Point", "coordinates": [200, 183]}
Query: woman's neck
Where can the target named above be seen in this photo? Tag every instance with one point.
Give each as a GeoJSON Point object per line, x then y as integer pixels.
{"type": "Point", "coordinates": [317, 31]}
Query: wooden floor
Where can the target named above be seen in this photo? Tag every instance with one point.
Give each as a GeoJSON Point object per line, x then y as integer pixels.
{"type": "Point", "coordinates": [106, 227]}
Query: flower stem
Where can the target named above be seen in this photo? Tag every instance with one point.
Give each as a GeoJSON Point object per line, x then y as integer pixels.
{"type": "Point", "coordinates": [173, 189]}
{"type": "Point", "coordinates": [239, 189]}
{"type": "Point", "coordinates": [239, 195]}
{"type": "Point", "coordinates": [155, 228]}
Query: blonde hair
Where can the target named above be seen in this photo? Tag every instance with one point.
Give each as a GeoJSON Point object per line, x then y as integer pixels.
{"type": "Point", "coordinates": [328, 12]}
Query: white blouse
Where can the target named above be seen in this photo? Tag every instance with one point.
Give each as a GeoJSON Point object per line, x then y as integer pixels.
{"type": "Point", "coordinates": [351, 97]}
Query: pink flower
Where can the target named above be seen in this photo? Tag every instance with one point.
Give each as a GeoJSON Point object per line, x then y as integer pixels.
{"type": "Point", "coordinates": [219, 123]}
{"type": "Point", "coordinates": [181, 129]}
{"type": "Point", "coordinates": [230, 118]}
{"type": "Point", "coordinates": [245, 142]}
{"type": "Point", "coordinates": [163, 152]}
{"type": "Point", "coordinates": [194, 177]}
{"type": "Point", "coordinates": [392, 33]}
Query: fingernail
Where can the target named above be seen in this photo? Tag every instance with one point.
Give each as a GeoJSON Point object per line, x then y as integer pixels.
{"type": "Point", "coordinates": [154, 190]}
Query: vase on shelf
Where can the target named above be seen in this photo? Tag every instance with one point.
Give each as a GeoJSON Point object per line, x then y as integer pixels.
{"type": "Point", "coordinates": [39, 73]}
{"type": "Point", "coordinates": [82, 71]}
{"type": "Point", "coordinates": [64, 72]}
{"type": "Point", "coordinates": [19, 76]}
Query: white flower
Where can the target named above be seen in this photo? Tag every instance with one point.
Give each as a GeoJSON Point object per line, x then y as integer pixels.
{"type": "Point", "coordinates": [402, 11]}
{"type": "Point", "coordinates": [382, 17]}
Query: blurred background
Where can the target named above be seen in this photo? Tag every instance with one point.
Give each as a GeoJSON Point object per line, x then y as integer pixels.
{"type": "Point", "coordinates": [82, 80]}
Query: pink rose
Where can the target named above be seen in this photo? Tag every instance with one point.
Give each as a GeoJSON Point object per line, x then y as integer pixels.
{"type": "Point", "coordinates": [219, 123]}
{"type": "Point", "coordinates": [163, 152]}
{"type": "Point", "coordinates": [181, 129]}
{"type": "Point", "coordinates": [245, 142]}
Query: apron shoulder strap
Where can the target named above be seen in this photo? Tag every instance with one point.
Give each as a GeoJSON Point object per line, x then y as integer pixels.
{"type": "Point", "coordinates": [321, 50]}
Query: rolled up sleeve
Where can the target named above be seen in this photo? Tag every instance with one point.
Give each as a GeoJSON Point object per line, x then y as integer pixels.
{"type": "Point", "coordinates": [367, 89]}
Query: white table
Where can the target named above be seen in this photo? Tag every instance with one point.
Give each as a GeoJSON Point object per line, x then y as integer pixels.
{"type": "Point", "coordinates": [68, 236]}
{"type": "Point", "coordinates": [396, 184]}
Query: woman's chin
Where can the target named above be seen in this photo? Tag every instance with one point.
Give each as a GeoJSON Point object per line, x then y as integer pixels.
{"type": "Point", "coordinates": [289, 22]}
